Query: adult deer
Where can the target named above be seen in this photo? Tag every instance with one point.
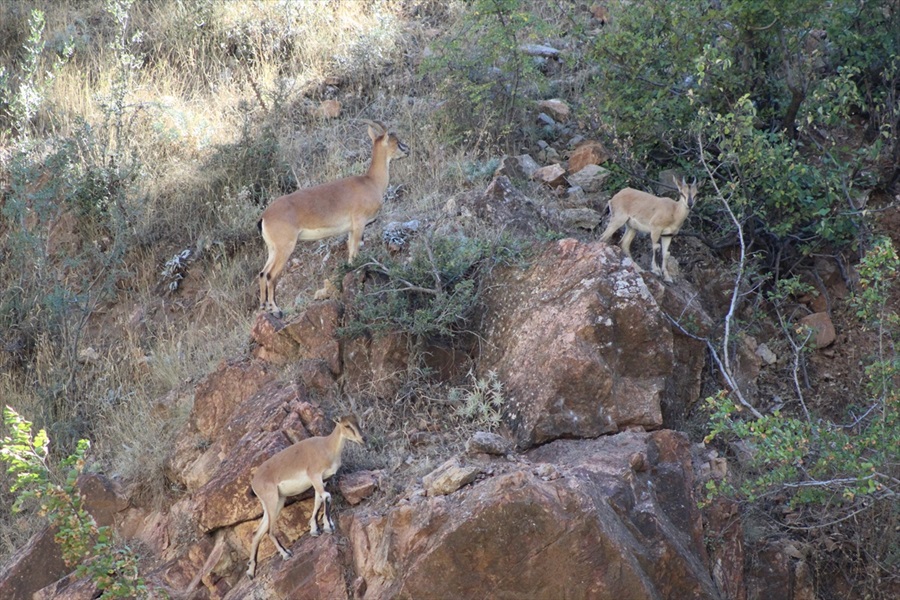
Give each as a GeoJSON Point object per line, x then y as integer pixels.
{"type": "Point", "coordinates": [660, 217]}
{"type": "Point", "coordinates": [306, 464]}
{"type": "Point", "coordinates": [326, 210]}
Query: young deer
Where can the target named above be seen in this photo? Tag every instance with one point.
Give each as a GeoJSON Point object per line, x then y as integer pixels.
{"type": "Point", "coordinates": [308, 463]}
{"type": "Point", "coordinates": [660, 217]}
{"type": "Point", "coordinates": [326, 210]}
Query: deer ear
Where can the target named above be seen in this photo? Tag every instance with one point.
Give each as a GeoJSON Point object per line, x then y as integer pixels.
{"type": "Point", "coordinates": [373, 133]}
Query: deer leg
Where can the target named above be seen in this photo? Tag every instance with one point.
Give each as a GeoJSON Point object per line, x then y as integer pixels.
{"type": "Point", "coordinates": [626, 245]}
{"type": "Point", "coordinates": [666, 240]}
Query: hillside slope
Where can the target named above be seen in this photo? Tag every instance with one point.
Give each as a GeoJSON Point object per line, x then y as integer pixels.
{"type": "Point", "coordinates": [140, 142]}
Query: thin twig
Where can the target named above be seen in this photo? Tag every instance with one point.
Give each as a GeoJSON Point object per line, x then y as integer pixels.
{"type": "Point", "coordinates": [725, 363]}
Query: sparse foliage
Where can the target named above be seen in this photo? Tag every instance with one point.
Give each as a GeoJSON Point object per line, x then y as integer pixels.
{"type": "Point", "coordinates": [831, 471]}
{"type": "Point", "coordinates": [90, 549]}
{"type": "Point", "coordinates": [483, 73]}
{"type": "Point", "coordinates": [432, 291]}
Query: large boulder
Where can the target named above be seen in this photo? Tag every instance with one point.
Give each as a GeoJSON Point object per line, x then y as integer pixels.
{"type": "Point", "coordinates": [691, 325]}
{"type": "Point", "coordinates": [600, 529]}
{"type": "Point", "coordinates": [221, 476]}
{"type": "Point", "coordinates": [34, 566]}
{"type": "Point", "coordinates": [215, 399]}
{"type": "Point", "coordinates": [580, 343]}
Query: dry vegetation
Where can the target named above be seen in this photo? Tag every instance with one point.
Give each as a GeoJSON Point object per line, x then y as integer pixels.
{"type": "Point", "coordinates": [214, 121]}
{"type": "Point", "coordinates": [193, 116]}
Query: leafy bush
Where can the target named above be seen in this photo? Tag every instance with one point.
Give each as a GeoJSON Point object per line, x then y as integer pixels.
{"type": "Point", "coordinates": [91, 549]}
{"type": "Point", "coordinates": [775, 91]}
{"type": "Point", "coordinates": [831, 471]}
{"type": "Point", "coordinates": [432, 291]}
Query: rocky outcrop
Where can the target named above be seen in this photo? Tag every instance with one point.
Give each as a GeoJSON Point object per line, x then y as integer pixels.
{"type": "Point", "coordinates": [599, 529]}
{"type": "Point", "coordinates": [37, 564]}
{"type": "Point", "coordinates": [503, 205]}
{"type": "Point", "coordinates": [604, 518]}
{"type": "Point", "coordinates": [581, 345]}
{"type": "Point", "coordinates": [311, 335]}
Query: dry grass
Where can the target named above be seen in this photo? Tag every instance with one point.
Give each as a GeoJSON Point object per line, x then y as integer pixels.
{"type": "Point", "coordinates": [220, 118]}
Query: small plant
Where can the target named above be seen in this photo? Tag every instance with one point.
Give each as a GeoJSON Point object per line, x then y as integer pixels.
{"type": "Point", "coordinates": [22, 93]}
{"type": "Point", "coordinates": [112, 568]}
{"type": "Point", "coordinates": [175, 269]}
{"type": "Point", "coordinates": [483, 404]}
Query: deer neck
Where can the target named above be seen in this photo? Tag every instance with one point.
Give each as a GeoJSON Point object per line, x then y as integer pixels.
{"type": "Point", "coordinates": [380, 167]}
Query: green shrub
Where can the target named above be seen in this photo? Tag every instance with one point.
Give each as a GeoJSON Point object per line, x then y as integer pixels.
{"type": "Point", "coordinates": [775, 92]}
{"type": "Point", "coordinates": [429, 292]}
{"type": "Point", "coordinates": [84, 545]}
{"type": "Point", "coordinates": [829, 472]}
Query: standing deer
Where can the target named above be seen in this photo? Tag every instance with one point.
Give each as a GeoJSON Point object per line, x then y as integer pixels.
{"type": "Point", "coordinates": [326, 210]}
{"type": "Point", "coordinates": [308, 463]}
{"type": "Point", "coordinates": [660, 217]}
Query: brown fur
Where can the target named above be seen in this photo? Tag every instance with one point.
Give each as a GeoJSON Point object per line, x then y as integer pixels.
{"type": "Point", "coordinates": [334, 208]}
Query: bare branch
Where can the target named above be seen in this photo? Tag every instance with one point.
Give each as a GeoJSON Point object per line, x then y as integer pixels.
{"type": "Point", "coordinates": [725, 363]}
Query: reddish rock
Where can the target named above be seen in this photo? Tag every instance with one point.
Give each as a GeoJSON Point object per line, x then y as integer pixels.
{"type": "Point", "coordinates": [376, 365]}
{"type": "Point", "coordinates": [68, 588]}
{"type": "Point", "coordinates": [551, 175]}
{"type": "Point", "coordinates": [587, 153]}
{"type": "Point", "coordinates": [314, 572]}
{"type": "Point", "coordinates": [312, 417]}
{"type": "Point", "coordinates": [222, 391]}
{"type": "Point", "coordinates": [102, 498]}
{"type": "Point", "coordinates": [317, 377]}
{"type": "Point", "coordinates": [723, 524]}
{"type": "Point", "coordinates": [597, 531]}
{"type": "Point", "coordinates": [312, 334]}
{"type": "Point", "coordinates": [149, 527]}
{"type": "Point", "coordinates": [225, 469]}
{"type": "Point", "coordinates": [689, 352]}
{"type": "Point", "coordinates": [266, 411]}
{"type": "Point", "coordinates": [357, 486]}
{"type": "Point", "coordinates": [293, 531]}
{"type": "Point", "coordinates": [821, 324]}
{"type": "Point", "coordinates": [580, 344]}
{"type": "Point", "coordinates": [272, 346]}
{"type": "Point", "coordinates": [34, 566]}
{"type": "Point", "coordinates": [315, 332]}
